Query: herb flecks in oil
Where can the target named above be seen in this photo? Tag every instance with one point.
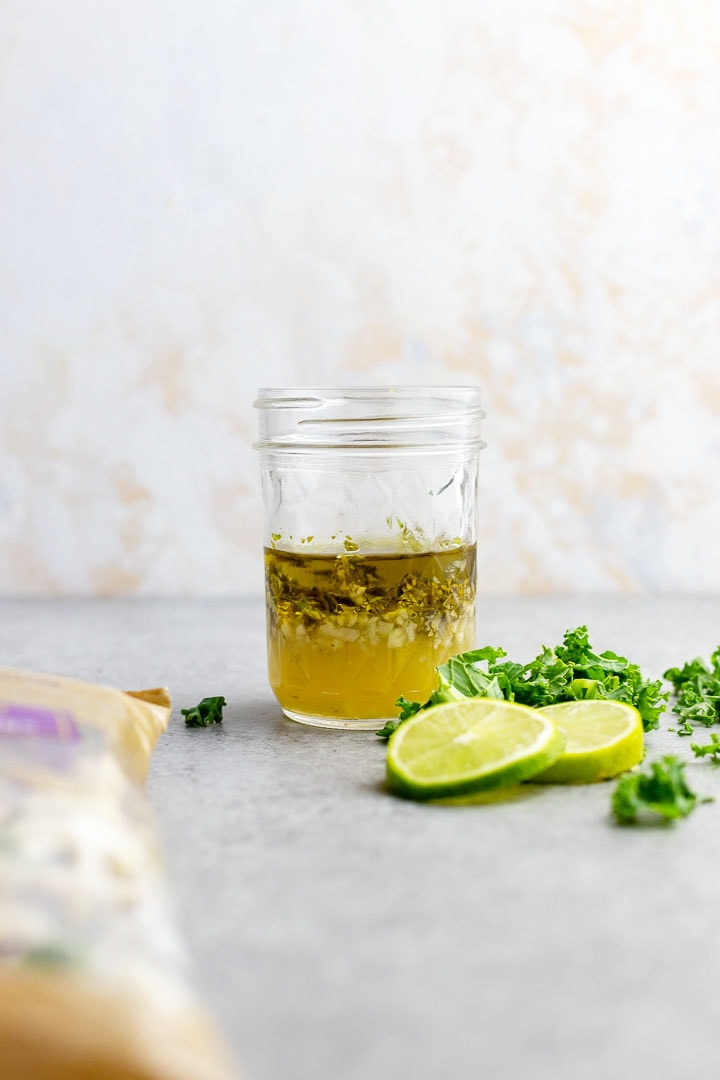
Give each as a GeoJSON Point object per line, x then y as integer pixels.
{"type": "Point", "coordinates": [345, 628]}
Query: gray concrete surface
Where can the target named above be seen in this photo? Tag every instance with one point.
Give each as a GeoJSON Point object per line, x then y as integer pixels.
{"type": "Point", "coordinates": [341, 934]}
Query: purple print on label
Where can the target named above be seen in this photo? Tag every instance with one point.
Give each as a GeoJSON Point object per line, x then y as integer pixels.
{"type": "Point", "coordinates": [31, 721]}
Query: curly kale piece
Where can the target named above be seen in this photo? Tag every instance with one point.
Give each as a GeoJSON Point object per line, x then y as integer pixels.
{"type": "Point", "coordinates": [711, 749]}
{"type": "Point", "coordinates": [697, 692]}
{"type": "Point", "coordinates": [568, 672]}
{"type": "Point", "coordinates": [660, 791]}
{"type": "Point", "coordinates": [607, 675]}
{"type": "Point", "coordinates": [205, 713]}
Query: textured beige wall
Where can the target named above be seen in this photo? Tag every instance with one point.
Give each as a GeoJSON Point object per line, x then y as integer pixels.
{"type": "Point", "coordinates": [200, 197]}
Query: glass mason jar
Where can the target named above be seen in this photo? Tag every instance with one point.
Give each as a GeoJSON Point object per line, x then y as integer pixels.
{"type": "Point", "coordinates": [370, 518]}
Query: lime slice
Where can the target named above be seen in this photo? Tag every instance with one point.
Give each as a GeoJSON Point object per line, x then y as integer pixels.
{"type": "Point", "coordinates": [472, 745]}
{"type": "Point", "coordinates": [602, 739]}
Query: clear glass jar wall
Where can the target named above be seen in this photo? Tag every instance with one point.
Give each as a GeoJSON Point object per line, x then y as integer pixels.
{"type": "Point", "coordinates": [370, 515]}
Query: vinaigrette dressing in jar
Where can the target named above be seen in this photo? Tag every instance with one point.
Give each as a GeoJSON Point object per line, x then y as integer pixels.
{"type": "Point", "coordinates": [370, 499]}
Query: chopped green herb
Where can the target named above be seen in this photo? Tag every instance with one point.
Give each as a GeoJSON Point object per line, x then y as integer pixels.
{"type": "Point", "coordinates": [711, 749]}
{"type": "Point", "coordinates": [431, 590]}
{"type": "Point", "coordinates": [207, 712]}
{"type": "Point", "coordinates": [407, 709]}
{"type": "Point", "coordinates": [568, 672]}
{"type": "Point", "coordinates": [660, 791]}
{"type": "Point", "coordinates": [697, 693]}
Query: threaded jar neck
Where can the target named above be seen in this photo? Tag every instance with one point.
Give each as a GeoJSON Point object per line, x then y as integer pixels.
{"type": "Point", "coordinates": [421, 418]}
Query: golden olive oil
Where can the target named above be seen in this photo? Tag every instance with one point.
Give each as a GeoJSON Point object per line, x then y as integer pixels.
{"type": "Point", "coordinates": [349, 633]}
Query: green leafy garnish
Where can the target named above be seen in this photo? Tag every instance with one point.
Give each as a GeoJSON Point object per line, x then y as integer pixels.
{"type": "Point", "coordinates": [697, 691]}
{"type": "Point", "coordinates": [711, 749]}
{"type": "Point", "coordinates": [571, 671]}
{"type": "Point", "coordinates": [207, 712]}
{"type": "Point", "coordinates": [407, 709]}
{"type": "Point", "coordinates": [659, 791]}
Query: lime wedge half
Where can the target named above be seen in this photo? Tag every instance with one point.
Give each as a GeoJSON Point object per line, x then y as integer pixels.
{"type": "Point", "coordinates": [467, 746]}
{"type": "Point", "coordinates": [602, 739]}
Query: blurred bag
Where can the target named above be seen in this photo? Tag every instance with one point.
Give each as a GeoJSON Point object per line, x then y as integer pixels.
{"type": "Point", "coordinates": [92, 983]}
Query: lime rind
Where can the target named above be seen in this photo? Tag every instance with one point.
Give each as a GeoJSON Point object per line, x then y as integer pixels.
{"type": "Point", "coordinates": [597, 760]}
{"type": "Point", "coordinates": [460, 748]}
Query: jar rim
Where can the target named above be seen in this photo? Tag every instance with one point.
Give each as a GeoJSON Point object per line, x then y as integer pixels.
{"type": "Point", "coordinates": [435, 418]}
{"type": "Point", "coordinates": [272, 396]}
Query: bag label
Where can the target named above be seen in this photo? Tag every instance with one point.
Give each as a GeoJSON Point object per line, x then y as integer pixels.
{"type": "Point", "coordinates": [31, 721]}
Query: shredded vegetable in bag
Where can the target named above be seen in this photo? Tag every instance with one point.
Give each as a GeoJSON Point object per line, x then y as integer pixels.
{"type": "Point", "coordinates": [92, 983]}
